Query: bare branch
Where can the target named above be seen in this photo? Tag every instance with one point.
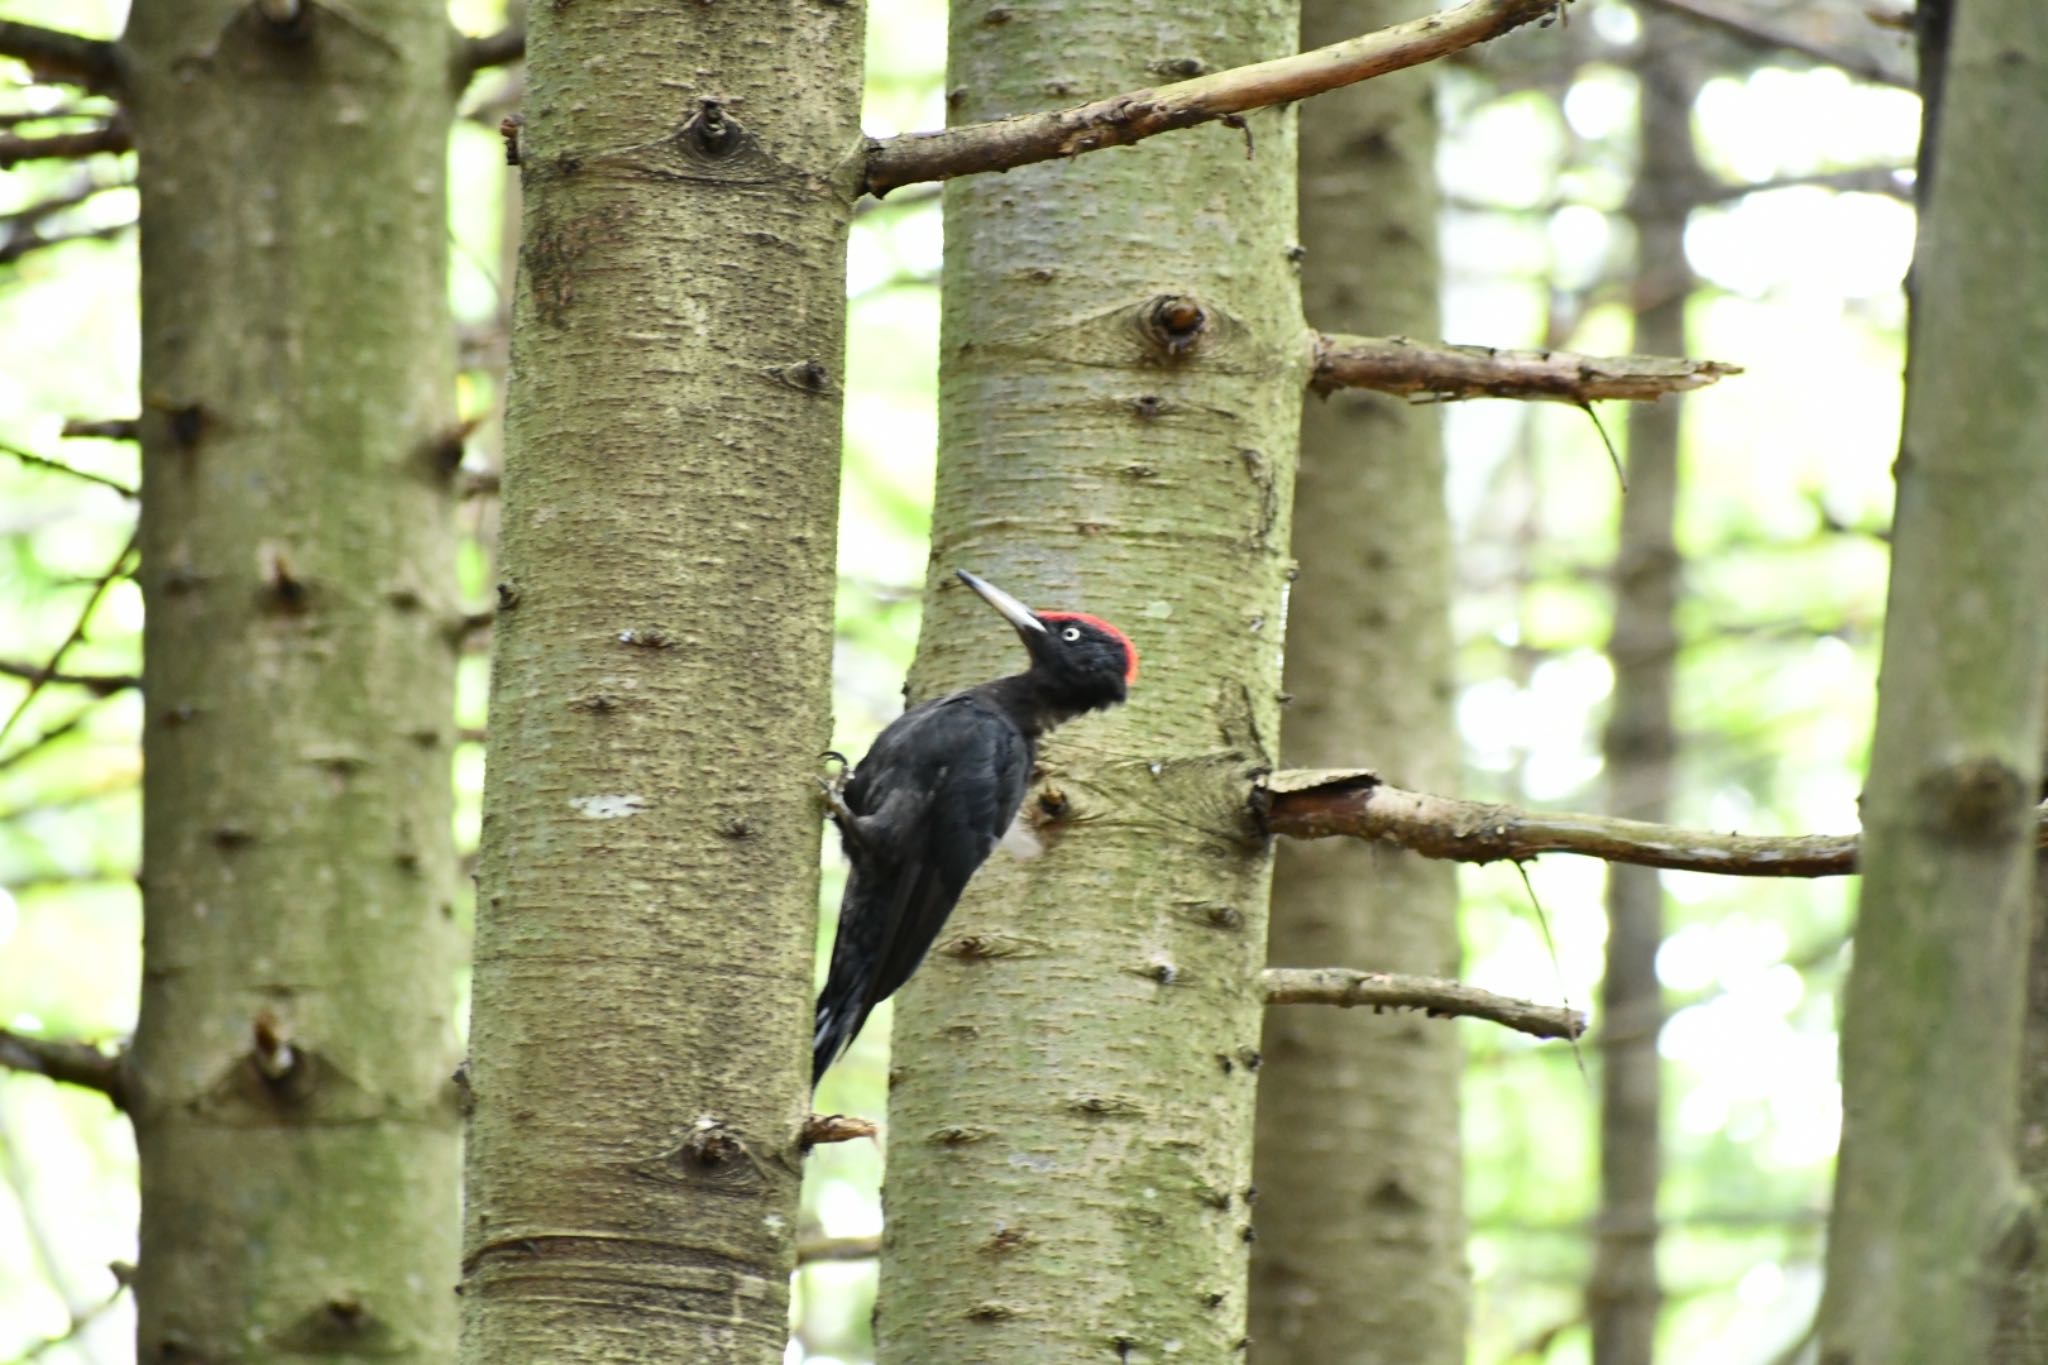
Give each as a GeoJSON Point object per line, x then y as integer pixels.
{"type": "Point", "coordinates": [1442, 372]}
{"type": "Point", "coordinates": [57, 56]}
{"type": "Point", "coordinates": [112, 136]}
{"type": "Point", "coordinates": [92, 603]}
{"type": "Point", "coordinates": [30, 458]}
{"type": "Point", "coordinates": [99, 684]}
{"type": "Point", "coordinates": [1758, 31]}
{"type": "Point", "coordinates": [483, 51]}
{"type": "Point", "coordinates": [838, 1249]}
{"type": "Point", "coordinates": [1323, 804]}
{"type": "Point", "coordinates": [1432, 995]}
{"type": "Point", "coordinates": [1123, 119]}
{"type": "Point", "coordinates": [73, 1063]}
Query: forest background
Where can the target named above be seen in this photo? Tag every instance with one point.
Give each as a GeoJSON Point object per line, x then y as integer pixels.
{"type": "Point", "coordinates": [1798, 257]}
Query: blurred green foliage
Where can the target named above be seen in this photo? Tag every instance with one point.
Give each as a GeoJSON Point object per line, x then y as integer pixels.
{"type": "Point", "coordinates": [1787, 491]}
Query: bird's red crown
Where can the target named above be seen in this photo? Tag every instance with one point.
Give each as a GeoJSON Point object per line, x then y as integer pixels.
{"type": "Point", "coordinates": [1130, 650]}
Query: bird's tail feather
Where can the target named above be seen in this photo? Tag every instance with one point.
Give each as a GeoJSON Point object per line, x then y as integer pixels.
{"type": "Point", "coordinates": [839, 1019]}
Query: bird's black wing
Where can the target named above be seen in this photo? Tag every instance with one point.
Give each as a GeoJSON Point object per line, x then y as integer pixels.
{"type": "Point", "coordinates": [932, 797]}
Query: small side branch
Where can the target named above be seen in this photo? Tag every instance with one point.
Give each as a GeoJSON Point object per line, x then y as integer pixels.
{"type": "Point", "coordinates": [838, 1249]}
{"type": "Point", "coordinates": [1759, 32]}
{"type": "Point", "coordinates": [35, 461]}
{"type": "Point", "coordinates": [51, 669]}
{"type": "Point", "coordinates": [73, 1063]}
{"type": "Point", "coordinates": [1441, 372]}
{"type": "Point", "coordinates": [55, 55]}
{"type": "Point", "coordinates": [484, 51]}
{"type": "Point", "coordinates": [1432, 995]}
{"type": "Point", "coordinates": [1324, 804]}
{"type": "Point", "coordinates": [99, 684]}
{"type": "Point", "coordinates": [1123, 119]}
{"type": "Point", "coordinates": [112, 136]}
{"type": "Point", "coordinates": [823, 1128]}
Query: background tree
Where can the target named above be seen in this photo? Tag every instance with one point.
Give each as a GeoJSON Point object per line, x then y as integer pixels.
{"type": "Point", "coordinates": [1930, 1217]}
{"type": "Point", "coordinates": [1361, 1250]}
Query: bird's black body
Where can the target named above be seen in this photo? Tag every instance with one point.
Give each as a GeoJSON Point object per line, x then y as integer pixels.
{"type": "Point", "coordinates": [936, 793]}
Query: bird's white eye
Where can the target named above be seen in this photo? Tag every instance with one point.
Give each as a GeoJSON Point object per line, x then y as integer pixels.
{"type": "Point", "coordinates": [1071, 634]}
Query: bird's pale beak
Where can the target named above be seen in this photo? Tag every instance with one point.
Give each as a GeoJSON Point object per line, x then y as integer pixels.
{"type": "Point", "coordinates": [1016, 613]}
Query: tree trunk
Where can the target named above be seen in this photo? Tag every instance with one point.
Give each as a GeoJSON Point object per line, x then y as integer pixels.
{"type": "Point", "coordinates": [648, 889]}
{"type": "Point", "coordinates": [1929, 1221]}
{"type": "Point", "coordinates": [1639, 745]}
{"type": "Point", "coordinates": [1361, 1251]}
{"type": "Point", "coordinates": [297, 1131]}
{"type": "Point", "coordinates": [1122, 361]}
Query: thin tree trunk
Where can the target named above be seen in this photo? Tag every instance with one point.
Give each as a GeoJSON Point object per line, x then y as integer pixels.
{"type": "Point", "coordinates": [1930, 1221]}
{"type": "Point", "coordinates": [1122, 362]}
{"type": "Point", "coordinates": [297, 1132]}
{"type": "Point", "coordinates": [648, 888]}
{"type": "Point", "coordinates": [1361, 1250]}
{"type": "Point", "coordinates": [1640, 743]}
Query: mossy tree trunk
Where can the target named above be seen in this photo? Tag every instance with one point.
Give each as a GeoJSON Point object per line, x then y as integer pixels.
{"type": "Point", "coordinates": [1361, 1250]}
{"type": "Point", "coordinates": [648, 889]}
{"type": "Point", "coordinates": [1639, 746]}
{"type": "Point", "coordinates": [290, 1076]}
{"type": "Point", "coordinates": [1929, 1219]}
{"type": "Point", "coordinates": [1122, 362]}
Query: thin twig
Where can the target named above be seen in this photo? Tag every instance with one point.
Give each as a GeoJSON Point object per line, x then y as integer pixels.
{"type": "Point", "coordinates": [838, 1249]}
{"type": "Point", "coordinates": [1443, 372]}
{"type": "Point", "coordinates": [29, 457]}
{"type": "Point", "coordinates": [73, 1063]}
{"type": "Point", "coordinates": [99, 684]}
{"type": "Point", "coordinates": [1324, 804]}
{"type": "Point", "coordinates": [1760, 32]}
{"type": "Point", "coordinates": [1003, 144]}
{"type": "Point", "coordinates": [1432, 995]}
{"type": "Point", "coordinates": [53, 54]}
{"type": "Point", "coordinates": [92, 603]}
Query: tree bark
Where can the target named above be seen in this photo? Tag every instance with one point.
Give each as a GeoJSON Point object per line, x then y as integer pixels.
{"type": "Point", "coordinates": [649, 871]}
{"type": "Point", "coordinates": [1929, 1219]}
{"type": "Point", "coordinates": [1361, 1251]}
{"type": "Point", "coordinates": [289, 1079]}
{"type": "Point", "coordinates": [1640, 743]}
{"type": "Point", "coordinates": [1122, 362]}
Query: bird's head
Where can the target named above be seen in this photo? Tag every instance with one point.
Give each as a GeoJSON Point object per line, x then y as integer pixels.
{"type": "Point", "coordinates": [1083, 660]}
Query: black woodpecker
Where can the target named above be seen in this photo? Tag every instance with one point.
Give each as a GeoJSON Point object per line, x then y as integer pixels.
{"type": "Point", "coordinates": [936, 793]}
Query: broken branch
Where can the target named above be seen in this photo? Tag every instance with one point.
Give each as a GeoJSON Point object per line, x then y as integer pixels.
{"type": "Point", "coordinates": [480, 52]}
{"type": "Point", "coordinates": [1433, 995]}
{"type": "Point", "coordinates": [73, 1063]}
{"type": "Point", "coordinates": [1002, 144]}
{"type": "Point", "coordinates": [1445, 373]}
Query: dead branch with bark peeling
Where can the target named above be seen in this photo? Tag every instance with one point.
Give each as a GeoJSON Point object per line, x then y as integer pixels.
{"type": "Point", "coordinates": [1322, 804]}
{"type": "Point", "coordinates": [1443, 372]}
